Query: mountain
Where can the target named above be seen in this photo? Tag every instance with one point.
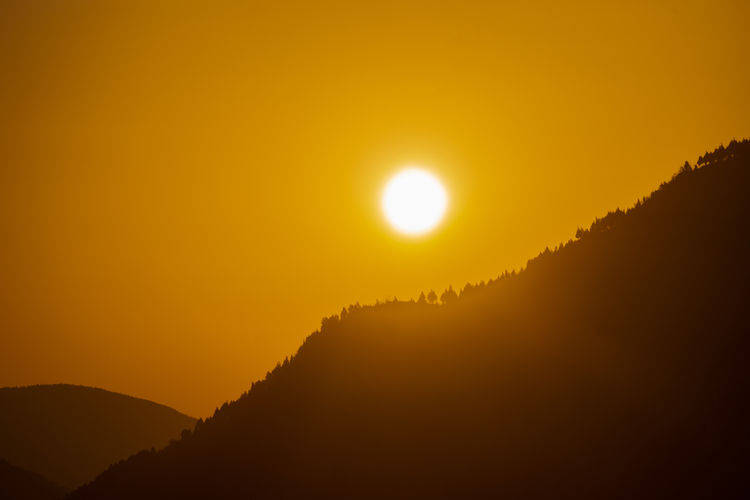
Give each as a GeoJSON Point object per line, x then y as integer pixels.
{"type": "Point", "coordinates": [70, 433]}
{"type": "Point", "coordinates": [614, 366]}
{"type": "Point", "coordinates": [20, 484]}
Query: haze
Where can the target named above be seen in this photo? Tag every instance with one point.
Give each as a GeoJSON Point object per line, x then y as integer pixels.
{"type": "Point", "coordinates": [187, 189]}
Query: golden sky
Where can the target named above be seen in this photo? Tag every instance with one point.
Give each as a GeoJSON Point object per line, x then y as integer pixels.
{"type": "Point", "coordinates": [186, 188]}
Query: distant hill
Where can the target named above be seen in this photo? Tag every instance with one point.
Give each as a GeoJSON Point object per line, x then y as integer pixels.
{"type": "Point", "coordinates": [614, 366]}
{"type": "Point", "coordinates": [20, 484]}
{"type": "Point", "coordinates": [70, 433]}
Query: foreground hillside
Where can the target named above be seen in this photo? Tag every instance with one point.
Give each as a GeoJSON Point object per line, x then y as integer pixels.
{"type": "Point", "coordinates": [20, 484]}
{"type": "Point", "coordinates": [612, 367]}
{"type": "Point", "coordinates": [70, 433]}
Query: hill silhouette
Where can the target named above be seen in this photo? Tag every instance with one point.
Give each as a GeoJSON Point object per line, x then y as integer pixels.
{"type": "Point", "coordinates": [70, 433]}
{"type": "Point", "coordinates": [19, 484]}
{"type": "Point", "coordinates": [614, 366]}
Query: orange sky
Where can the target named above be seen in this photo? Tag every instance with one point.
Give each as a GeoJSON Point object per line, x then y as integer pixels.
{"type": "Point", "coordinates": [187, 189]}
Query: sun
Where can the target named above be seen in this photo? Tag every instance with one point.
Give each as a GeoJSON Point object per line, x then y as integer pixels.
{"type": "Point", "coordinates": [414, 201]}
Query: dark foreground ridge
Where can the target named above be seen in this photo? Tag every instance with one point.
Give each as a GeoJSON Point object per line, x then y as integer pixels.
{"type": "Point", "coordinates": [19, 484]}
{"type": "Point", "coordinates": [614, 366]}
{"type": "Point", "coordinates": [71, 433]}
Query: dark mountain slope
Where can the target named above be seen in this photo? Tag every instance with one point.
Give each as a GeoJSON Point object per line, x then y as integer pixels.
{"type": "Point", "coordinates": [612, 367]}
{"type": "Point", "coordinates": [20, 484]}
{"type": "Point", "coordinates": [71, 433]}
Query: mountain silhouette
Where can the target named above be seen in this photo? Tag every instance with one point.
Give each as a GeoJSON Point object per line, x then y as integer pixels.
{"type": "Point", "coordinates": [614, 366]}
{"type": "Point", "coordinates": [70, 433]}
{"type": "Point", "coordinates": [19, 484]}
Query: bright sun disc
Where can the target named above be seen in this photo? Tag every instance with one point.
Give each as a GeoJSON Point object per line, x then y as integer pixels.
{"type": "Point", "coordinates": [414, 201]}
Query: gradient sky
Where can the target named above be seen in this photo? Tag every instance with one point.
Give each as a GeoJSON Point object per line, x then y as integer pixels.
{"type": "Point", "coordinates": [186, 188]}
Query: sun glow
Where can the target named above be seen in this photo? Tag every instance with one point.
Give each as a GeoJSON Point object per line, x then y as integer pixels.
{"type": "Point", "coordinates": [414, 201]}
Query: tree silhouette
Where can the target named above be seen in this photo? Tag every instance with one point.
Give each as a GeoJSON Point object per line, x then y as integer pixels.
{"type": "Point", "coordinates": [448, 295]}
{"type": "Point", "coordinates": [606, 368]}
